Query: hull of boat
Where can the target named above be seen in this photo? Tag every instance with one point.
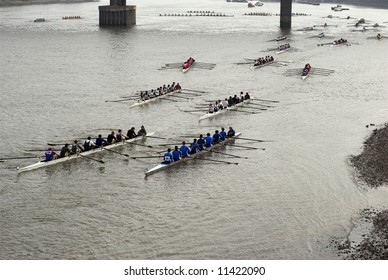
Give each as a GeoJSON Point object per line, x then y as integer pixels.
{"type": "Point", "coordinates": [212, 115]}
{"type": "Point", "coordinates": [141, 102]}
{"type": "Point", "coordinates": [163, 166]}
{"type": "Point", "coordinates": [76, 156]}
{"type": "Point", "coordinates": [262, 65]}
{"type": "Point", "coordinates": [184, 70]}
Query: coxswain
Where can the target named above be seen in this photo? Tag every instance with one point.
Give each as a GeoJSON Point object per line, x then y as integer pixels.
{"type": "Point", "coordinates": [120, 136]}
{"type": "Point", "coordinates": [185, 151]}
{"type": "Point", "coordinates": [216, 137]}
{"type": "Point", "coordinates": [178, 86]}
{"type": "Point", "coordinates": [100, 141]}
{"type": "Point", "coordinates": [50, 154]}
{"type": "Point", "coordinates": [222, 134]}
{"type": "Point", "coordinates": [167, 158]}
{"type": "Point", "coordinates": [194, 148]}
{"type": "Point", "coordinates": [65, 151]}
{"type": "Point", "coordinates": [201, 142]}
{"type": "Point", "coordinates": [142, 131]}
{"type": "Point", "coordinates": [247, 96]}
{"type": "Point", "coordinates": [88, 144]}
{"type": "Point", "coordinates": [231, 132]}
{"type": "Point", "coordinates": [176, 154]}
{"type": "Point", "coordinates": [131, 133]}
{"type": "Point", "coordinates": [111, 139]}
{"type": "Point", "coordinates": [208, 140]}
{"type": "Point", "coordinates": [75, 148]}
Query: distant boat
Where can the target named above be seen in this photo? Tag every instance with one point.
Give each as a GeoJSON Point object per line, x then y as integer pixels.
{"type": "Point", "coordinates": [39, 20]}
{"type": "Point", "coordinates": [258, 3]}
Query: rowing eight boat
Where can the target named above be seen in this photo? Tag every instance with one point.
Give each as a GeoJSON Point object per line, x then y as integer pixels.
{"type": "Point", "coordinates": [75, 156]}
{"type": "Point", "coordinates": [219, 112]}
{"type": "Point", "coordinates": [142, 102]}
{"type": "Point", "coordinates": [163, 166]}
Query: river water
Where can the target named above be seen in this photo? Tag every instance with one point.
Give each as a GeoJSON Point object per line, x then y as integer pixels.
{"type": "Point", "coordinates": [285, 202]}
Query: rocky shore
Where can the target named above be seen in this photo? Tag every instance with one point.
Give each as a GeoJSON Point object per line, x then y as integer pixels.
{"type": "Point", "coordinates": [369, 240]}
{"type": "Point", "coordinates": [31, 2]}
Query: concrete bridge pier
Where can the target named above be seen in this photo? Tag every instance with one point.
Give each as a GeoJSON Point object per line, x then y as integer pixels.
{"type": "Point", "coordinates": [285, 14]}
{"type": "Point", "coordinates": [117, 14]}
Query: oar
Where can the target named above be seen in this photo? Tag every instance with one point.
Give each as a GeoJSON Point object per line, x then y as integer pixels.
{"type": "Point", "coordinates": [190, 111]}
{"type": "Point", "coordinates": [246, 147]}
{"type": "Point", "coordinates": [169, 144]}
{"type": "Point", "coordinates": [38, 157]}
{"type": "Point", "coordinates": [244, 111]}
{"type": "Point", "coordinates": [147, 157]}
{"type": "Point", "coordinates": [228, 162]}
{"type": "Point", "coordinates": [55, 144]}
{"type": "Point", "coordinates": [227, 154]}
{"type": "Point", "coordinates": [121, 100]}
{"type": "Point", "coordinates": [148, 146]}
{"type": "Point", "coordinates": [201, 91]}
{"type": "Point", "coordinates": [188, 93]}
{"type": "Point", "coordinates": [262, 109]}
{"type": "Point", "coordinates": [172, 100]}
{"type": "Point", "coordinates": [257, 140]}
{"type": "Point", "coordinates": [261, 105]}
{"type": "Point", "coordinates": [98, 160]}
{"type": "Point", "coordinates": [177, 96]}
{"type": "Point", "coordinates": [109, 150]}
{"type": "Point", "coordinates": [156, 137]}
{"type": "Point", "coordinates": [275, 101]}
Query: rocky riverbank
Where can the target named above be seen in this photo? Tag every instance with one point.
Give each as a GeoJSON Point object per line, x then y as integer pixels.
{"type": "Point", "coordinates": [31, 2]}
{"type": "Point", "coordinates": [369, 239]}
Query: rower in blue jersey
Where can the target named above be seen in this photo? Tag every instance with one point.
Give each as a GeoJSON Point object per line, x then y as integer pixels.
{"type": "Point", "coordinates": [50, 154]}
{"type": "Point", "coordinates": [176, 154]}
{"type": "Point", "coordinates": [167, 157]}
{"type": "Point", "coordinates": [65, 151]}
{"type": "Point", "coordinates": [216, 137]}
{"type": "Point", "coordinates": [194, 148]}
{"type": "Point", "coordinates": [222, 134]}
{"type": "Point", "coordinates": [208, 140]}
{"type": "Point", "coordinates": [201, 142]}
{"type": "Point", "coordinates": [231, 132]}
{"type": "Point", "coordinates": [185, 151]}
{"type": "Point", "coordinates": [100, 141]}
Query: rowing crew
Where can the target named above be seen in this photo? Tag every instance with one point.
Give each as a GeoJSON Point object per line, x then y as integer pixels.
{"type": "Point", "coordinates": [88, 144]}
{"type": "Point", "coordinates": [197, 145]}
{"type": "Point", "coordinates": [188, 63]}
{"type": "Point", "coordinates": [263, 60]}
{"type": "Point", "coordinates": [145, 95]}
{"type": "Point", "coordinates": [284, 47]}
{"type": "Point", "coordinates": [306, 69]}
{"type": "Point", "coordinates": [340, 41]}
{"type": "Point", "coordinates": [220, 105]}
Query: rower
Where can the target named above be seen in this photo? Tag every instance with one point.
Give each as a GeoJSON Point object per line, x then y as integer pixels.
{"type": "Point", "coordinates": [75, 148]}
{"type": "Point", "coordinates": [176, 154]}
{"type": "Point", "coordinates": [208, 140]}
{"type": "Point", "coordinates": [142, 131]}
{"type": "Point", "coordinates": [185, 151]}
{"type": "Point", "coordinates": [65, 151]}
{"type": "Point", "coordinates": [178, 86]}
{"type": "Point", "coordinates": [50, 155]}
{"type": "Point", "coordinates": [167, 157]}
{"type": "Point", "coordinates": [247, 96]}
{"type": "Point", "coordinates": [222, 134]}
{"type": "Point", "coordinates": [216, 137]}
{"type": "Point", "coordinates": [378, 36]}
{"type": "Point", "coordinates": [231, 132]}
{"type": "Point", "coordinates": [88, 144]}
{"type": "Point", "coordinates": [200, 142]}
{"type": "Point", "coordinates": [111, 139]}
{"type": "Point", "coordinates": [131, 133]}
{"type": "Point", "coordinates": [120, 136]}
{"type": "Point", "coordinates": [211, 109]}
{"type": "Point", "coordinates": [100, 141]}
{"type": "Point", "coordinates": [225, 103]}
{"type": "Point", "coordinates": [194, 148]}
{"type": "Point", "coordinates": [230, 101]}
